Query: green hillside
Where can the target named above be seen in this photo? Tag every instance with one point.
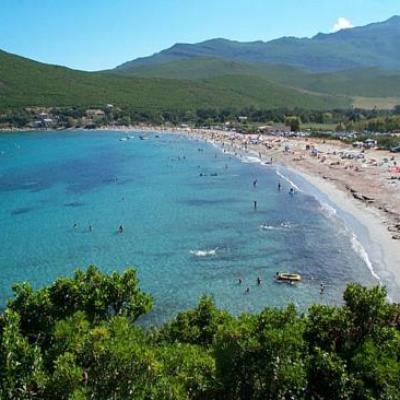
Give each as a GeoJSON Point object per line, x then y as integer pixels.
{"type": "Point", "coordinates": [365, 82]}
{"type": "Point", "coordinates": [25, 82]}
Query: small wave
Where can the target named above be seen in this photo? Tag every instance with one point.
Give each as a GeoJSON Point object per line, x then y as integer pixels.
{"type": "Point", "coordinates": [204, 253]}
{"type": "Point", "coordinates": [279, 173]}
{"type": "Point", "coordinates": [283, 226]}
{"type": "Point", "coordinates": [330, 210]}
{"type": "Point", "coordinates": [360, 250]}
{"type": "Point", "coordinates": [251, 160]}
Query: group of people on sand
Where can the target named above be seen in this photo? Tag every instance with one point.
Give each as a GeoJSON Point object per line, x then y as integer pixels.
{"type": "Point", "coordinates": [90, 228]}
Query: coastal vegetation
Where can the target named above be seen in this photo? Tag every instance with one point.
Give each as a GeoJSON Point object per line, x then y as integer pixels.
{"type": "Point", "coordinates": [81, 338]}
{"type": "Point", "coordinates": [246, 120]}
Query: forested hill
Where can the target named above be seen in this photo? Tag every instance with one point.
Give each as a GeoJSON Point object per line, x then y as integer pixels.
{"type": "Point", "coordinates": [24, 83]}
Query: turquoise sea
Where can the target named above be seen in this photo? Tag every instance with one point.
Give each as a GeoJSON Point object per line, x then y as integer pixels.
{"type": "Point", "coordinates": [186, 234]}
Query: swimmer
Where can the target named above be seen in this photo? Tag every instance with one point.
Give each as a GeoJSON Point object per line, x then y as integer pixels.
{"type": "Point", "coordinates": [90, 228]}
{"type": "Point", "coordinates": [120, 229]}
{"type": "Point", "coordinates": [248, 290]}
{"type": "Point", "coordinates": [258, 281]}
{"type": "Point", "coordinates": [321, 289]}
{"type": "Point", "coordinates": [75, 226]}
{"type": "Point", "coordinates": [255, 183]}
{"type": "Point", "coordinates": [255, 204]}
{"type": "Point", "coordinates": [279, 186]}
{"type": "Point", "coordinates": [240, 281]}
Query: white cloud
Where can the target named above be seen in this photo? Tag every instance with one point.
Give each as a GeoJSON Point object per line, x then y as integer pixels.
{"type": "Point", "coordinates": [342, 23]}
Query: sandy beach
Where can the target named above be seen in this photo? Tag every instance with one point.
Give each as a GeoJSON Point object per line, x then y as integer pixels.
{"type": "Point", "coordinates": [363, 184]}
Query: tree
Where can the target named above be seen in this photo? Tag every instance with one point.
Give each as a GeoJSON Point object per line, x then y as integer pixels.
{"type": "Point", "coordinates": [21, 366]}
{"type": "Point", "coordinates": [76, 339]}
{"type": "Point", "coordinates": [98, 295]}
{"type": "Point", "coordinates": [294, 123]}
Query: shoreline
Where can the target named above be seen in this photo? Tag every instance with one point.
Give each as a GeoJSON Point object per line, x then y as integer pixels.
{"type": "Point", "coordinates": [367, 223]}
{"type": "Point", "coordinates": [370, 219]}
{"type": "Point", "coordinates": [383, 252]}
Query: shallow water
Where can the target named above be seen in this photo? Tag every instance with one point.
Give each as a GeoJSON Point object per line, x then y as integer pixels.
{"type": "Point", "coordinates": [187, 234]}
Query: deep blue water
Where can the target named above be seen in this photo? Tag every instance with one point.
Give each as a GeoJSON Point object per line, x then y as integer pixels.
{"type": "Point", "coordinates": [51, 181]}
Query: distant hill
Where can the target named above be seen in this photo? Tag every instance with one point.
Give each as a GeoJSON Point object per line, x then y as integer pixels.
{"type": "Point", "coordinates": [366, 82]}
{"type": "Point", "coordinates": [375, 45]}
{"type": "Point", "coordinates": [24, 82]}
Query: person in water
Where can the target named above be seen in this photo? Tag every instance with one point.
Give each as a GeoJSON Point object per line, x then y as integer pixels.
{"type": "Point", "coordinates": [258, 281]}
{"type": "Point", "coordinates": [247, 290]}
{"type": "Point", "coordinates": [279, 186]}
{"type": "Point", "coordinates": [255, 183]}
{"type": "Point", "coordinates": [321, 289]}
{"type": "Point", "coordinates": [120, 229]}
{"type": "Point", "coordinates": [291, 191]}
{"type": "Point", "coordinates": [255, 204]}
{"type": "Point", "coordinates": [240, 280]}
{"type": "Point", "coordinates": [90, 228]}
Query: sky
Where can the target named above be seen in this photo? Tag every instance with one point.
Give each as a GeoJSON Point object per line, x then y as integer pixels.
{"type": "Point", "coordinates": [101, 34]}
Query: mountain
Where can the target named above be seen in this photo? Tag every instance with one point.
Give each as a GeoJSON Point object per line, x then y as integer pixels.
{"type": "Point", "coordinates": [24, 82]}
{"type": "Point", "coordinates": [359, 67]}
{"type": "Point", "coordinates": [374, 45]}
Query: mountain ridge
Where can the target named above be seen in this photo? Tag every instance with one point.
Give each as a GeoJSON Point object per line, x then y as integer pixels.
{"type": "Point", "coordinates": [372, 45]}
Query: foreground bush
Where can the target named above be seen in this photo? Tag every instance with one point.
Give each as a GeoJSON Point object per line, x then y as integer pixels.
{"type": "Point", "coordinates": [77, 339]}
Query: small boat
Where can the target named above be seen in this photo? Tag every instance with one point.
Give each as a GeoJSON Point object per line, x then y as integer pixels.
{"type": "Point", "coordinates": [287, 277]}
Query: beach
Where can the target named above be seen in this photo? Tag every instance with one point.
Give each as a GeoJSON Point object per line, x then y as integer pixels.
{"type": "Point", "coordinates": [365, 188]}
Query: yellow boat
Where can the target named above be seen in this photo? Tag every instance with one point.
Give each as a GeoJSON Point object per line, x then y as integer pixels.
{"type": "Point", "coordinates": [287, 277]}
